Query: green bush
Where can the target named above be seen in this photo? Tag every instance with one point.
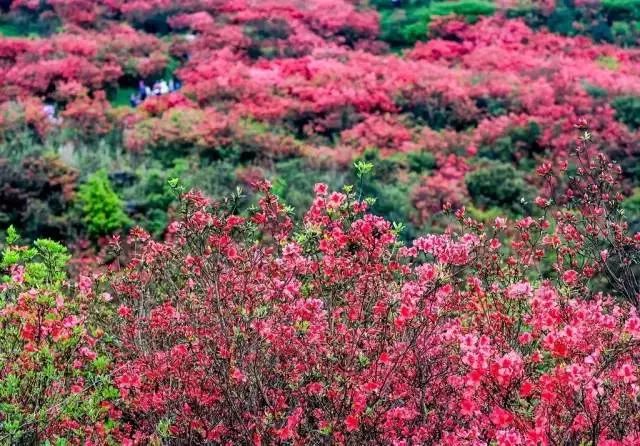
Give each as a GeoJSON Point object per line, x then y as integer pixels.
{"type": "Point", "coordinates": [628, 110]}
{"type": "Point", "coordinates": [622, 9]}
{"type": "Point", "coordinates": [422, 161]}
{"type": "Point", "coordinates": [388, 187]}
{"type": "Point", "coordinates": [404, 26]}
{"type": "Point", "coordinates": [595, 91]}
{"type": "Point", "coordinates": [622, 33]}
{"type": "Point", "coordinates": [499, 185]}
{"type": "Point", "coordinates": [470, 9]}
{"type": "Point", "coordinates": [518, 146]}
{"type": "Point", "coordinates": [102, 209]}
{"type": "Point", "coordinates": [561, 20]}
{"type": "Point", "coordinates": [631, 207]}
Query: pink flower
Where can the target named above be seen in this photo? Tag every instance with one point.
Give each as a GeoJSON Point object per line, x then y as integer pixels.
{"type": "Point", "coordinates": [84, 285]}
{"type": "Point", "coordinates": [541, 202]}
{"type": "Point", "coordinates": [570, 277]}
{"type": "Point", "coordinates": [238, 376]}
{"type": "Point", "coordinates": [17, 274]}
{"type": "Point", "coordinates": [525, 338]}
{"type": "Point", "coordinates": [501, 418]}
{"type": "Point", "coordinates": [87, 353]}
{"type": "Point", "coordinates": [320, 189]}
{"type": "Point", "coordinates": [519, 290]}
{"type": "Point", "coordinates": [124, 311]}
{"type": "Point", "coordinates": [627, 373]}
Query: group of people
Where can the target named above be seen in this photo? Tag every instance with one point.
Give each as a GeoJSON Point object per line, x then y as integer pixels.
{"type": "Point", "coordinates": [159, 88]}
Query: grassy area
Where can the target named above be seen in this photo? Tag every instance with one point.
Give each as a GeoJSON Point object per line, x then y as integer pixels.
{"type": "Point", "coordinates": [13, 30]}
{"type": "Point", "coordinates": [120, 96]}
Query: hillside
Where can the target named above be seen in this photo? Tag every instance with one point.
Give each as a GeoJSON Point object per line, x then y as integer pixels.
{"type": "Point", "coordinates": [296, 92]}
{"type": "Point", "coordinates": [326, 222]}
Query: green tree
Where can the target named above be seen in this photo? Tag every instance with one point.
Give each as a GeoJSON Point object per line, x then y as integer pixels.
{"type": "Point", "coordinates": [102, 209]}
{"type": "Point", "coordinates": [499, 185]}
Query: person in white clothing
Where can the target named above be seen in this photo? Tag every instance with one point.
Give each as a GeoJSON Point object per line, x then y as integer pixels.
{"type": "Point", "coordinates": [164, 87]}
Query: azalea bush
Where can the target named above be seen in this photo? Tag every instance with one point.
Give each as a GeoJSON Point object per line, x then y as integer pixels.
{"type": "Point", "coordinates": [261, 330]}
{"type": "Point", "coordinates": [54, 383]}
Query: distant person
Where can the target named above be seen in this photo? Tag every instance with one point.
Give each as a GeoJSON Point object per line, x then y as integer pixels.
{"type": "Point", "coordinates": [49, 110]}
{"type": "Point", "coordinates": [172, 85]}
{"type": "Point", "coordinates": [164, 87]}
{"type": "Point", "coordinates": [142, 90]}
{"type": "Point", "coordinates": [147, 92]}
{"type": "Point", "coordinates": [156, 89]}
{"type": "Point", "coordinates": [134, 100]}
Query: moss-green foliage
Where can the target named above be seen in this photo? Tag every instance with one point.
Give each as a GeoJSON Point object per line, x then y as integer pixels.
{"type": "Point", "coordinates": [498, 184]}
{"type": "Point", "coordinates": [102, 209]}
{"type": "Point", "coordinates": [148, 197]}
{"type": "Point", "coordinates": [595, 91]}
{"type": "Point", "coordinates": [470, 9]}
{"type": "Point", "coordinates": [404, 27]}
{"type": "Point", "coordinates": [389, 185]}
{"type": "Point", "coordinates": [172, 66]}
{"type": "Point", "coordinates": [12, 30]}
{"type": "Point", "coordinates": [628, 110]}
{"type": "Point", "coordinates": [608, 62]}
{"type": "Point", "coordinates": [493, 106]}
{"type": "Point", "coordinates": [610, 21]}
{"type": "Point", "coordinates": [484, 215]}
{"type": "Point", "coordinates": [24, 29]}
{"type": "Point", "coordinates": [25, 23]}
{"type": "Point", "coordinates": [561, 20]}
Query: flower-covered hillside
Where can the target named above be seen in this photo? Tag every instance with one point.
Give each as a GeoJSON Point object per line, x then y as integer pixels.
{"type": "Point", "coordinates": [272, 89]}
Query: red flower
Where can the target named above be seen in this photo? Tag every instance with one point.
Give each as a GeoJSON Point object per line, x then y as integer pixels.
{"type": "Point", "coordinates": [570, 277]}
{"type": "Point", "coordinates": [352, 423]}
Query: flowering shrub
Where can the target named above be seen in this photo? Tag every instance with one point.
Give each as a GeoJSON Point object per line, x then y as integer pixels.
{"type": "Point", "coordinates": [54, 384]}
{"type": "Point", "coordinates": [254, 329]}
